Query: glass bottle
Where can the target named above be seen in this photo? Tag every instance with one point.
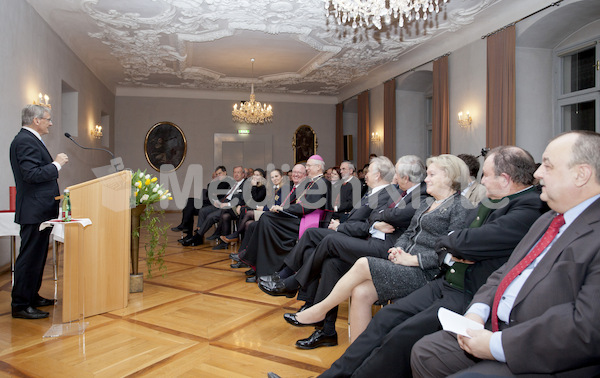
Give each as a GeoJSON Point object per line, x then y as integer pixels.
{"type": "Point", "coordinates": [66, 207]}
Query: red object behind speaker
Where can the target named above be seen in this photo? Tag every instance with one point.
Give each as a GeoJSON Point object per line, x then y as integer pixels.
{"type": "Point", "coordinates": [13, 198]}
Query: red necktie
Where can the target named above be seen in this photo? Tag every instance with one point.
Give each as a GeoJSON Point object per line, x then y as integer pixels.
{"type": "Point", "coordinates": [393, 204]}
{"type": "Point", "coordinates": [546, 239]}
{"type": "Point", "coordinates": [288, 196]}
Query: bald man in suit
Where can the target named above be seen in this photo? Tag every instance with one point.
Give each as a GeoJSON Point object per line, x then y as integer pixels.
{"type": "Point", "coordinates": [36, 175]}
{"type": "Point", "coordinates": [540, 310]}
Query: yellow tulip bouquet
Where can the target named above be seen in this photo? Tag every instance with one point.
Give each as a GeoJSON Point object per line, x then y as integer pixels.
{"type": "Point", "coordinates": [147, 191]}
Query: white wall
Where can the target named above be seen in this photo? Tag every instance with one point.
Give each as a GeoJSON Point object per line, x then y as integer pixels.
{"type": "Point", "coordinates": [201, 119]}
{"type": "Point", "coordinates": [534, 100]}
{"type": "Point", "coordinates": [467, 86]}
{"type": "Point", "coordinates": [410, 123]}
{"type": "Point", "coordinates": [34, 59]}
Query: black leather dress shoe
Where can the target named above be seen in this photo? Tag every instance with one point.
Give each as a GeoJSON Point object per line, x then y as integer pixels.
{"type": "Point", "coordinates": [177, 228]}
{"type": "Point", "coordinates": [29, 313]}
{"type": "Point", "coordinates": [185, 239]}
{"type": "Point", "coordinates": [277, 289]}
{"type": "Point", "coordinates": [272, 278]}
{"type": "Point", "coordinates": [251, 279]}
{"type": "Point", "coordinates": [291, 319]}
{"type": "Point", "coordinates": [195, 240]}
{"type": "Point", "coordinates": [41, 302]}
{"type": "Point", "coordinates": [234, 256]}
{"type": "Point", "coordinates": [213, 237]}
{"type": "Point", "coordinates": [220, 246]}
{"type": "Point", "coordinates": [250, 272]}
{"type": "Point", "coordinates": [238, 265]}
{"type": "Point", "coordinates": [317, 339]}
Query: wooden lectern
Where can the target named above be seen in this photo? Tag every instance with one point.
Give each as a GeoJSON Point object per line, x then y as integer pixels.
{"type": "Point", "coordinates": [96, 269]}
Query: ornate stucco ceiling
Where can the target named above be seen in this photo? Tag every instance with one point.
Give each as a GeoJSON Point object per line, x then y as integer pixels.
{"type": "Point", "coordinates": [208, 44]}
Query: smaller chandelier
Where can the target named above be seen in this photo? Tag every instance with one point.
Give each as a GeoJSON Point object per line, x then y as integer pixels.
{"type": "Point", "coordinates": [252, 111]}
{"type": "Point", "coordinates": [371, 12]}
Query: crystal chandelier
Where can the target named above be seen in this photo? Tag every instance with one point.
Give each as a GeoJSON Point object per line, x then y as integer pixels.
{"type": "Point", "coordinates": [252, 111]}
{"type": "Point", "coordinates": [371, 12]}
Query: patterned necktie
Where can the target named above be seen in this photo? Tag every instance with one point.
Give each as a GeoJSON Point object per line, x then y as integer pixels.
{"type": "Point", "coordinates": [283, 204]}
{"type": "Point", "coordinates": [226, 198]}
{"type": "Point", "coordinates": [546, 239]}
{"type": "Point", "coordinates": [393, 204]}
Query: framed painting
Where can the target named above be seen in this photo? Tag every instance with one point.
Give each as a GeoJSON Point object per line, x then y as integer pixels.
{"type": "Point", "coordinates": [304, 144]}
{"type": "Point", "coordinates": [165, 144]}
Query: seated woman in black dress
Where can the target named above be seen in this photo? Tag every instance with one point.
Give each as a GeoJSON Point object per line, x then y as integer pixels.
{"type": "Point", "coordinates": [246, 214]}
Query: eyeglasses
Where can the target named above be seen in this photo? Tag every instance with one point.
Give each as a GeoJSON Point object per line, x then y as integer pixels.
{"type": "Point", "coordinates": [47, 119]}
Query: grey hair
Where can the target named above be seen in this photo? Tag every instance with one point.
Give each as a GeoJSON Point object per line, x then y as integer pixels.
{"type": "Point", "coordinates": [322, 164]}
{"type": "Point", "coordinates": [31, 111]}
{"type": "Point", "coordinates": [384, 166]}
{"type": "Point", "coordinates": [413, 167]}
{"type": "Point", "coordinates": [351, 166]}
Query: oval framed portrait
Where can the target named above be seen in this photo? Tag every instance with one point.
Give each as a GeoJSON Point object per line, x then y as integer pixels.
{"type": "Point", "coordinates": [165, 144]}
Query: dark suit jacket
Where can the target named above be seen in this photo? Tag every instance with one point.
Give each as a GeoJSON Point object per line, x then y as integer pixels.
{"type": "Point", "coordinates": [359, 217]}
{"type": "Point", "coordinates": [35, 178]}
{"type": "Point", "coordinates": [399, 216]}
{"type": "Point", "coordinates": [492, 243]}
{"type": "Point", "coordinates": [346, 191]}
{"type": "Point", "coordinates": [311, 196]}
{"type": "Point", "coordinates": [554, 323]}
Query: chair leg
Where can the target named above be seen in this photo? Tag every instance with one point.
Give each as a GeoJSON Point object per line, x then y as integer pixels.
{"type": "Point", "coordinates": [13, 258]}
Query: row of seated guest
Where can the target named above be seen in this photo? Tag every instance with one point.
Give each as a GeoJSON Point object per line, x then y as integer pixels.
{"type": "Point", "coordinates": [284, 197]}
{"type": "Point", "coordinates": [278, 230]}
{"type": "Point", "coordinates": [341, 198]}
{"type": "Point", "coordinates": [247, 215]}
{"type": "Point", "coordinates": [476, 251]}
{"type": "Point", "coordinates": [193, 205]}
{"type": "Point", "coordinates": [535, 312]}
{"type": "Point", "coordinates": [244, 214]}
{"type": "Point", "coordinates": [409, 265]}
{"type": "Point", "coordinates": [211, 214]}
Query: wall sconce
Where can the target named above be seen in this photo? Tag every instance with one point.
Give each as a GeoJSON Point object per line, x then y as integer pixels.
{"type": "Point", "coordinates": [97, 132]}
{"type": "Point", "coordinates": [43, 100]}
{"type": "Point", "coordinates": [375, 137]}
{"type": "Point", "coordinates": [464, 120]}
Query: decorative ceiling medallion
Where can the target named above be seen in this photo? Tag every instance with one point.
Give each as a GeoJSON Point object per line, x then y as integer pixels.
{"type": "Point", "coordinates": [164, 45]}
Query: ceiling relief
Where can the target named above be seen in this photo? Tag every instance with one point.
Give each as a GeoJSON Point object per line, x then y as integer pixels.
{"type": "Point", "coordinates": [207, 44]}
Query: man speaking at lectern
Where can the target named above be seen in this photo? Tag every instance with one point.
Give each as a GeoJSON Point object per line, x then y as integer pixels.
{"type": "Point", "coordinates": [35, 177]}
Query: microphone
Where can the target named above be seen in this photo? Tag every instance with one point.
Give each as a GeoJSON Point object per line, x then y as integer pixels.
{"type": "Point", "coordinates": [88, 148]}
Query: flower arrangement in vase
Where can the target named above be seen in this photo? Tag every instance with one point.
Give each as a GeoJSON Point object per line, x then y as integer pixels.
{"type": "Point", "coordinates": [146, 192]}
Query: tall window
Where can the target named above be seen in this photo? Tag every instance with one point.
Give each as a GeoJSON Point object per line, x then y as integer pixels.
{"type": "Point", "coordinates": [579, 99]}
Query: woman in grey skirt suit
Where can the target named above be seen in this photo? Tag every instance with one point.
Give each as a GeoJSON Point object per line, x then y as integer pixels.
{"type": "Point", "coordinates": [412, 262]}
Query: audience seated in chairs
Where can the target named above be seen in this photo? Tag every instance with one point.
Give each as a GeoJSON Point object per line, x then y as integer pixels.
{"type": "Point", "coordinates": [413, 260]}
{"type": "Point", "coordinates": [193, 205]}
{"type": "Point", "coordinates": [209, 215]}
{"type": "Point", "coordinates": [243, 213]}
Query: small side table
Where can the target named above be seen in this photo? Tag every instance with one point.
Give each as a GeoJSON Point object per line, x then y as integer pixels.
{"type": "Point", "coordinates": [76, 294]}
{"type": "Point", "coordinates": [8, 227]}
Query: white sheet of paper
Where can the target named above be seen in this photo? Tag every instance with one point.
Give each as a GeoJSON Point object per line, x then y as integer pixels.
{"type": "Point", "coordinates": [453, 322]}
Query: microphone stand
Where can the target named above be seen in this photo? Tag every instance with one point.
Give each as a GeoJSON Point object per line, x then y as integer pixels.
{"type": "Point", "coordinates": [118, 165]}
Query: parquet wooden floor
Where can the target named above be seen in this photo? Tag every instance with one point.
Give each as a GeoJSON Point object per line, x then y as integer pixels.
{"type": "Point", "coordinates": [200, 320]}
